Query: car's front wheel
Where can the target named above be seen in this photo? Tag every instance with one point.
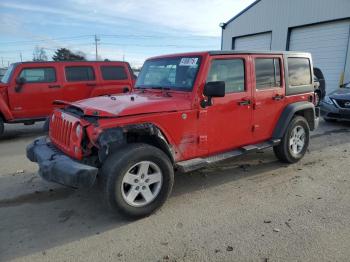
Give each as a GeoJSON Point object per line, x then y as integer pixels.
{"type": "Point", "coordinates": [137, 179]}
{"type": "Point", "coordinates": [295, 141]}
{"type": "Point", "coordinates": [2, 126]}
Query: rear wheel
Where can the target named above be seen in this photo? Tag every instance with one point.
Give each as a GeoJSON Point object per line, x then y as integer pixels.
{"type": "Point", "coordinates": [294, 142]}
{"type": "Point", "coordinates": [137, 180]}
{"type": "Point", "coordinates": [2, 126]}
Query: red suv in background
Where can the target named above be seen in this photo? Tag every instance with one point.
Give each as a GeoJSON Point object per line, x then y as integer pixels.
{"type": "Point", "coordinates": [28, 90]}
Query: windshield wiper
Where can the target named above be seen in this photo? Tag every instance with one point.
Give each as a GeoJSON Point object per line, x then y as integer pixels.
{"type": "Point", "coordinates": [161, 87]}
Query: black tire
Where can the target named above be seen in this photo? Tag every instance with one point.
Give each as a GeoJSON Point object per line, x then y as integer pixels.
{"type": "Point", "coordinates": [2, 126]}
{"type": "Point", "coordinates": [46, 125]}
{"type": "Point", "coordinates": [116, 167]}
{"type": "Point", "coordinates": [283, 151]}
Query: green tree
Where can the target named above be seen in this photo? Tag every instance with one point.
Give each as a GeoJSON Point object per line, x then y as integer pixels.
{"type": "Point", "coordinates": [64, 54]}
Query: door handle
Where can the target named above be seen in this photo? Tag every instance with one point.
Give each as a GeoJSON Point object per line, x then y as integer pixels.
{"type": "Point", "coordinates": [245, 102]}
{"type": "Point", "coordinates": [54, 86]}
{"type": "Point", "coordinates": [278, 97]}
{"type": "Point", "coordinates": [91, 84]}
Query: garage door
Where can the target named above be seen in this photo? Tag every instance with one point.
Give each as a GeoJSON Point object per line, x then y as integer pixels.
{"type": "Point", "coordinates": [253, 42]}
{"type": "Point", "coordinates": [328, 45]}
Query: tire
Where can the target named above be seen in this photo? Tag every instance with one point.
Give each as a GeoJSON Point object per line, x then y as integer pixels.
{"type": "Point", "coordinates": [287, 153]}
{"type": "Point", "coordinates": [2, 126]}
{"type": "Point", "coordinates": [121, 176]}
{"type": "Point", "coordinates": [46, 125]}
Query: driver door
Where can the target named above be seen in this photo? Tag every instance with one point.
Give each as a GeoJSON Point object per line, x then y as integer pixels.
{"type": "Point", "coordinates": [229, 118]}
{"type": "Point", "coordinates": [33, 98]}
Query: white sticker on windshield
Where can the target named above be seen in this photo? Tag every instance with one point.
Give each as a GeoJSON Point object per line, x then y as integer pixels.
{"type": "Point", "coordinates": [188, 61]}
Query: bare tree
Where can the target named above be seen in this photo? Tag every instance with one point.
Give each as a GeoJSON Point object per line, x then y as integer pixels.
{"type": "Point", "coordinates": [39, 54]}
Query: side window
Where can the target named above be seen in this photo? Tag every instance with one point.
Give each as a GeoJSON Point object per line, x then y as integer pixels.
{"type": "Point", "coordinates": [39, 75]}
{"type": "Point", "coordinates": [267, 73]}
{"type": "Point", "coordinates": [113, 73]}
{"type": "Point", "coordinates": [299, 71]}
{"type": "Point", "coordinates": [79, 73]}
{"type": "Point", "coordinates": [231, 71]}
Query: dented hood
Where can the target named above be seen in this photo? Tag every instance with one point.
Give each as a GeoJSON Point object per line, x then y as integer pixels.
{"type": "Point", "coordinates": [132, 104]}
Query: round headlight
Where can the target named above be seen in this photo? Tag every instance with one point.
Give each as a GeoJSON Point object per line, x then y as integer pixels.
{"type": "Point", "coordinates": [78, 130]}
{"type": "Point", "coordinates": [327, 100]}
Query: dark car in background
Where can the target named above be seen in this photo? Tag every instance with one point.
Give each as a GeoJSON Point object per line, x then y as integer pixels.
{"type": "Point", "coordinates": [336, 105]}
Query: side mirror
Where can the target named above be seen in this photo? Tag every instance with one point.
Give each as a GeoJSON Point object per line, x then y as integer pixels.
{"type": "Point", "coordinates": [213, 89]}
{"type": "Point", "coordinates": [20, 81]}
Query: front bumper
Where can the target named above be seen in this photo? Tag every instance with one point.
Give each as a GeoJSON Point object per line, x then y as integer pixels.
{"type": "Point", "coordinates": [57, 167]}
{"type": "Point", "coordinates": [332, 112]}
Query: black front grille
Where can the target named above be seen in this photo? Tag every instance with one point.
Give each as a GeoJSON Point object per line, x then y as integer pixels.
{"type": "Point", "coordinates": [343, 103]}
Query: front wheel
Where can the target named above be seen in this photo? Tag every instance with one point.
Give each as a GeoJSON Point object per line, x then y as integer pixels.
{"type": "Point", "coordinates": [294, 142]}
{"type": "Point", "coordinates": [137, 180]}
{"type": "Point", "coordinates": [2, 126]}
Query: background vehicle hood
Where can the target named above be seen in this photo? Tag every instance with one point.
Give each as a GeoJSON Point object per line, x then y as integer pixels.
{"type": "Point", "coordinates": [132, 104]}
{"type": "Point", "coordinates": [341, 93]}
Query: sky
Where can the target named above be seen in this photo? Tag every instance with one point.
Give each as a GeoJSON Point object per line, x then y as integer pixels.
{"type": "Point", "coordinates": [127, 30]}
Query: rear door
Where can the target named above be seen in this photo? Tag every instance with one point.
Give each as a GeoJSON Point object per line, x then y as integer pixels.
{"type": "Point", "coordinates": [80, 81]}
{"type": "Point", "coordinates": [34, 98]}
{"type": "Point", "coordinates": [113, 78]}
{"type": "Point", "coordinates": [269, 94]}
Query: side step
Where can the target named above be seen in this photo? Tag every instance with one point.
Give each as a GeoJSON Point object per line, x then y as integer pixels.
{"type": "Point", "coordinates": [197, 163]}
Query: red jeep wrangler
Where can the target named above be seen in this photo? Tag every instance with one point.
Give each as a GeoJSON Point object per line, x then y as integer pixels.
{"type": "Point", "coordinates": [28, 89]}
{"type": "Point", "coordinates": [186, 112]}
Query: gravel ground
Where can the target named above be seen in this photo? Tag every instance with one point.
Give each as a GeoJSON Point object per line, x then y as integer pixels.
{"type": "Point", "coordinates": [253, 208]}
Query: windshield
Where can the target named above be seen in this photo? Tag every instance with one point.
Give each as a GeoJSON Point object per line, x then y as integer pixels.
{"type": "Point", "coordinates": [175, 73]}
{"type": "Point", "coordinates": [6, 78]}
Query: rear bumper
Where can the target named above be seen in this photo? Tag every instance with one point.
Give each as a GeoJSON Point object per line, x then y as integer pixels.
{"type": "Point", "coordinates": [317, 117]}
{"type": "Point", "coordinates": [57, 167]}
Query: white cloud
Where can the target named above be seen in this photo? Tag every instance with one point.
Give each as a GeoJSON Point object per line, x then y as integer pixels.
{"type": "Point", "coordinates": [199, 17]}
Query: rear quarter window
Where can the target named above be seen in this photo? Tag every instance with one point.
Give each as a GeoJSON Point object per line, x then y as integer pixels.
{"type": "Point", "coordinates": [113, 73]}
{"type": "Point", "coordinates": [299, 71]}
{"type": "Point", "coordinates": [79, 73]}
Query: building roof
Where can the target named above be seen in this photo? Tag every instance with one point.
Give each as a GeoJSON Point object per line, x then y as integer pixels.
{"type": "Point", "coordinates": [240, 13]}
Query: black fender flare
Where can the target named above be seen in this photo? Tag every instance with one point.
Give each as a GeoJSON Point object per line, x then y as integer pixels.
{"type": "Point", "coordinates": [306, 109]}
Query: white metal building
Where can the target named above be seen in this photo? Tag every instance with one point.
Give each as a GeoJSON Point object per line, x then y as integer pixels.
{"type": "Point", "coordinates": [321, 27]}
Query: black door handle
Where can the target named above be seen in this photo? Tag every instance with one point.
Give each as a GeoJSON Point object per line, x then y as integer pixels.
{"type": "Point", "coordinates": [91, 84]}
{"type": "Point", "coordinates": [244, 102]}
{"type": "Point", "coordinates": [278, 97]}
{"type": "Point", "coordinates": [54, 86]}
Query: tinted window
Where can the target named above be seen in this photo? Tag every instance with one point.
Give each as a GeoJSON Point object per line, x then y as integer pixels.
{"type": "Point", "coordinates": [231, 71]}
{"type": "Point", "coordinates": [267, 73]}
{"type": "Point", "coordinates": [113, 73]}
{"type": "Point", "coordinates": [39, 75]}
{"type": "Point", "coordinates": [79, 73]}
{"type": "Point", "coordinates": [299, 71]}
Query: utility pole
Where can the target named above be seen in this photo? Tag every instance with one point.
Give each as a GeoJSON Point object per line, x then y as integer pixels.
{"type": "Point", "coordinates": [20, 55]}
{"type": "Point", "coordinates": [2, 61]}
{"type": "Point", "coordinates": [97, 39]}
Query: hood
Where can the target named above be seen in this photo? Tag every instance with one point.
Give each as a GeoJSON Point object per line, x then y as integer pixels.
{"type": "Point", "coordinates": [132, 104]}
{"type": "Point", "coordinates": [341, 93]}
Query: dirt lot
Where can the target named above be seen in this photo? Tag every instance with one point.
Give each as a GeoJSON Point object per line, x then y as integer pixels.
{"type": "Point", "coordinates": [252, 209]}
